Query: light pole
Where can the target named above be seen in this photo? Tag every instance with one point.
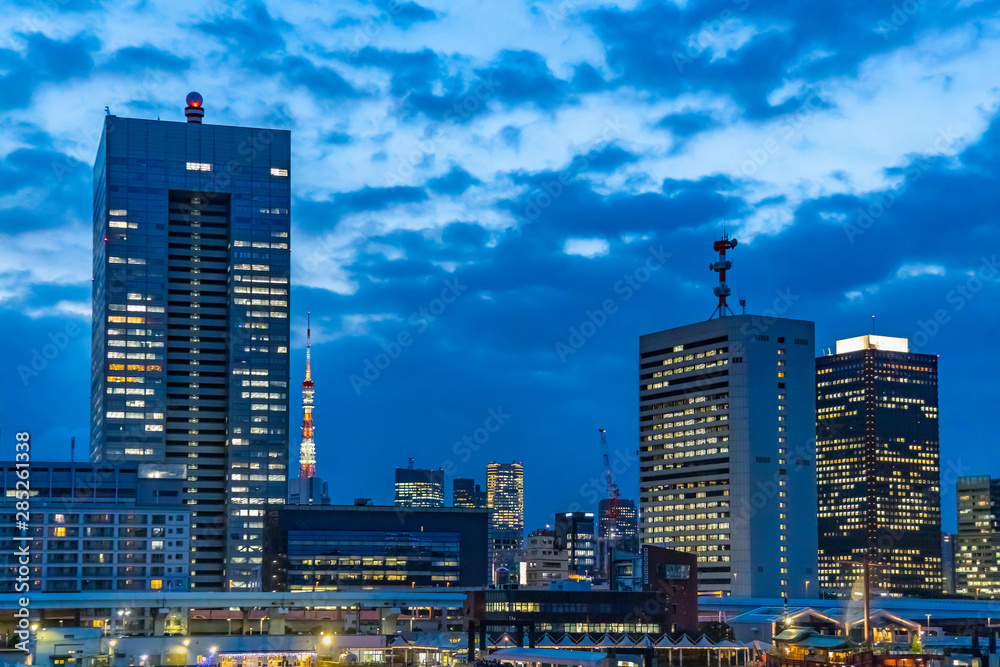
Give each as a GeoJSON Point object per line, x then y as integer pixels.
{"type": "Point", "coordinates": [928, 624]}
{"type": "Point", "coordinates": [807, 588]}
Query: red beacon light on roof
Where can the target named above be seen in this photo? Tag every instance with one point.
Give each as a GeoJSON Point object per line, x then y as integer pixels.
{"type": "Point", "coordinates": [194, 110]}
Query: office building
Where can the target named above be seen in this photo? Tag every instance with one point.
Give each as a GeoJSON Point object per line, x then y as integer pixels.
{"type": "Point", "coordinates": [617, 529]}
{"type": "Point", "coordinates": [977, 546]}
{"type": "Point", "coordinates": [574, 533]}
{"type": "Point", "coordinates": [877, 469]}
{"type": "Point", "coordinates": [505, 497]}
{"type": "Point", "coordinates": [545, 562]}
{"type": "Point", "coordinates": [671, 573]}
{"type": "Point", "coordinates": [419, 488]}
{"type": "Point", "coordinates": [189, 359]}
{"type": "Point", "coordinates": [466, 493]}
{"type": "Point", "coordinates": [576, 611]}
{"type": "Point", "coordinates": [316, 548]}
{"type": "Point", "coordinates": [97, 527]}
{"type": "Point", "coordinates": [726, 426]}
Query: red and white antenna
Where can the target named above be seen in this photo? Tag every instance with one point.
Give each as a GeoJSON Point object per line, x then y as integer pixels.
{"type": "Point", "coordinates": [720, 266]}
{"type": "Point", "coordinates": [307, 451]}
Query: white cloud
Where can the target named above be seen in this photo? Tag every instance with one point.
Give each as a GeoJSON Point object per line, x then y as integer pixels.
{"type": "Point", "coordinates": [588, 248]}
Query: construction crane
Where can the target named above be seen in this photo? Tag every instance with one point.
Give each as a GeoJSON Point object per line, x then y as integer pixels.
{"type": "Point", "coordinates": [613, 494]}
{"type": "Point", "coordinates": [614, 501]}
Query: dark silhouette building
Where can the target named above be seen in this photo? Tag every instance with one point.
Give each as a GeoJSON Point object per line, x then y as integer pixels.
{"type": "Point", "coordinates": [877, 466]}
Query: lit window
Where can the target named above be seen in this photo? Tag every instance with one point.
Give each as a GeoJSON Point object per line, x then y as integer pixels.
{"type": "Point", "coordinates": [199, 166]}
{"type": "Point", "coordinates": [59, 518]}
{"type": "Point", "coordinates": [156, 584]}
{"type": "Point", "coordinates": [60, 531]}
{"type": "Point", "coordinates": [278, 172]}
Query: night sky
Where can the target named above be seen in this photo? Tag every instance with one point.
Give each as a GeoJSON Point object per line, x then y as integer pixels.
{"type": "Point", "coordinates": [500, 197]}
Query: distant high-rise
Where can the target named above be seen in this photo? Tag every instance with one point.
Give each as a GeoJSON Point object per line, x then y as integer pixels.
{"type": "Point", "coordinates": [574, 532]}
{"type": "Point", "coordinates": [466, 493]}
{"type": "Point", "coordinates": [977, 549]}
{"type": "Point", "coordinates": [190, 341]}
{"type": "Point", "coordinates": [726, 432]}
{"type": "Point", "coordinates": [419, 488]}
{"type": "Point", "coordinates": [505, 497]}
{"type": "Point", "coordinates": [617, 528]}
{"type": "Point", "coordinates": [877, 466]}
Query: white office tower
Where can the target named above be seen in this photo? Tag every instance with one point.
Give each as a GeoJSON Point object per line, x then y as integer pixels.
{"type": "Point", "coordinates": [727, 428]}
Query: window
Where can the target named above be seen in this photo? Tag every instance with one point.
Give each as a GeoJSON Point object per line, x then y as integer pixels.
{"type": "Point", "coordinates": [275, 171]}
{"type": "Point", "coordinates": [199, 166]}
{"type": "Point", "coordinates": [156, 584]}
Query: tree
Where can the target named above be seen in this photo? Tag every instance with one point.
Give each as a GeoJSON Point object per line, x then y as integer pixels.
{"type": "Point", "coordinates": [716, 631]}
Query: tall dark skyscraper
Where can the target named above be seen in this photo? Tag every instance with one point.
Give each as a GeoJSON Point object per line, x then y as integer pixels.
{"type": "Point", "coordinates": [189, 358]}
{"type": "Point", "coordinates": [877, 466]}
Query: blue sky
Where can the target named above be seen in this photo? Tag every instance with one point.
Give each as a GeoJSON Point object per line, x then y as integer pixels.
{"type": "Point", "coordinates": [475, 181]}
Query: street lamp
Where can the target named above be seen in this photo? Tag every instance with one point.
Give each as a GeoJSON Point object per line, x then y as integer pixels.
{"type": "Point", "coordinates": [807, 588]}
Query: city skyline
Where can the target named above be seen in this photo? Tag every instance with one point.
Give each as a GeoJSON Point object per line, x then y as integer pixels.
{"type": "Point", "coordinates": [582, 168]}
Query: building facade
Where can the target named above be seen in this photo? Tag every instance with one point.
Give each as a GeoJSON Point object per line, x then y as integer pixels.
{"type": "Point", "coordinates": [545, 562]}
{"type": "Point", "coordinates": [877, 468]}
{"type": "Point", "coordinates": [977, 544]}
{"type": "Point", "coordinates": [419, 488]}
{"type": "Point", "coordinates": [727, 425]}
{"type": "Point", "coordinates": [574, 532]}
{"type": "Point", "coordinates": [617, 528]}
{"type": "Point", "coordinates": [466, 493]}
{"type": "Point", "coordinates": [190, 310]}
{"type": "Point", "coordinates": [505, 497]}
{"type": "Point", "coordinates": [317, 548]}
{"type": "Point", "coordinates": [96, 527]}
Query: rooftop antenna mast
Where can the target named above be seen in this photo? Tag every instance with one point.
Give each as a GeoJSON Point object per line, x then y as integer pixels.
{"type": "Point", "coordinates": [720, 266]}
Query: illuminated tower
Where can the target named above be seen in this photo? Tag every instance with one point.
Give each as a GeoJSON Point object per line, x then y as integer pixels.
{"type": "Point", "coordinates": [307, 451]}
{"type": "Point", "coordinates": [308, 489]}
{"type": "Point", "coordinates": [505, 498]}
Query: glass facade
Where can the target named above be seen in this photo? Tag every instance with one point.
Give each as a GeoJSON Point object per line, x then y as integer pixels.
{"type": "Point", "coordinates": [325, 559]}
{"type": "Point", "coordinates": [877, 466]}
{"type": "Point", "coordinates": [190, 325]}
{"type": "Point", "coordinates": [419, 488]}
{"type": "Point", "coordinates": [977, 544]}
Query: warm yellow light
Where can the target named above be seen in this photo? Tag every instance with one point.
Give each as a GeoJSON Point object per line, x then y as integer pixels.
{"type": "Point", "coordinates": [327, 640]}
{"type": "Point", "coordinates": [213, 649]}
{"type": "Point", "coordinates": [113, 642]}
{"type": "Point", "coordinates": [187, 641]}
{"type": "Point", "coordinates": [34, 627]}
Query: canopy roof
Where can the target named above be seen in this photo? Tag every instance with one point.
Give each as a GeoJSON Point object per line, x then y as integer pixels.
{"type": "Point", "coordinates": [550, 656]}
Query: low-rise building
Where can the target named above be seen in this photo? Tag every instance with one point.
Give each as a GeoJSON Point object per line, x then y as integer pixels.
{"type": "Point", "coordinates": [317, 547]}
{"type": "Point", "coordinates": [96, 527]}
{"type": "Point", "coordinates": [544, 562]}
